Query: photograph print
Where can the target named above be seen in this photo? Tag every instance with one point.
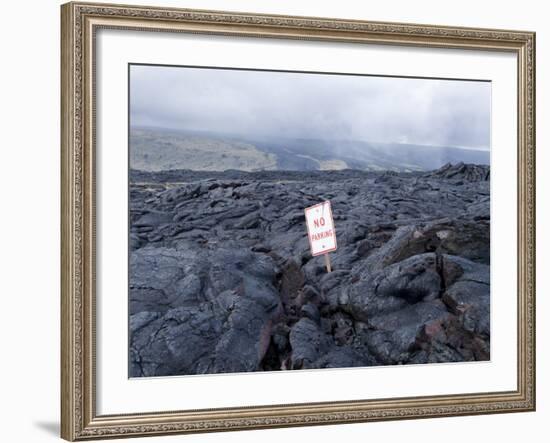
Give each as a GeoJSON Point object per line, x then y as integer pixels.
{"type": "Point", "coordinates": [301, 220]}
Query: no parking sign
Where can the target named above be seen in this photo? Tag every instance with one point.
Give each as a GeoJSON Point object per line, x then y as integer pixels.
{"type": "Point", "coordinates": [320, 230]}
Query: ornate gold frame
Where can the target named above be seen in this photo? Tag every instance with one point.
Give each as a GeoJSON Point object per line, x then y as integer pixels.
{"type": "Point", "coordinates": [79, 420]}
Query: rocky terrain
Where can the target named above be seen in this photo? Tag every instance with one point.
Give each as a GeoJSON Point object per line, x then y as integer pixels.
{"type": "Point", "coordinates": [222, 279]}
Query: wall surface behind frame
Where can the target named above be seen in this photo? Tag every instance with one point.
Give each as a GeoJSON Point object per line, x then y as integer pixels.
{"type": "Point", "coordinates": [29, 220]}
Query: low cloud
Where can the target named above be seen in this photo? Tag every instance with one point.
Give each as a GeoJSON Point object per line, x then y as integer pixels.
{"type": "Point", "coordinates": [317, 106]}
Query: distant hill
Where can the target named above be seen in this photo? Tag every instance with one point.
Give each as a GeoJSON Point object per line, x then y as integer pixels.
{"type": "Point", "coordinates": [153, 149]}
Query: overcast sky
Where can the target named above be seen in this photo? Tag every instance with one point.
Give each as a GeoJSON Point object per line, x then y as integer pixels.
{"type": "Point", "coordinates": [259, 103]}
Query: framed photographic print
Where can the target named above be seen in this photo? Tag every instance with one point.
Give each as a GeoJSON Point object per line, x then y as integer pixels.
{"type": "Point", "coordinates": [282, 221]}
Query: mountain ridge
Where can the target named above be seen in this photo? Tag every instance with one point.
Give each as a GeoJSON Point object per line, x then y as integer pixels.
{"type": "Point", "coordinates": [154, 149]}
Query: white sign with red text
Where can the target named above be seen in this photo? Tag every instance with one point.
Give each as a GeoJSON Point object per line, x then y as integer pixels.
{"type": "Point", "coordinates": [320, 228]}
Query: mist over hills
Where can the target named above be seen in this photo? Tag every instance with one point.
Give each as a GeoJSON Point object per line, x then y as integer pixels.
{"type": "Point", "coordinates": [157, 149]}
